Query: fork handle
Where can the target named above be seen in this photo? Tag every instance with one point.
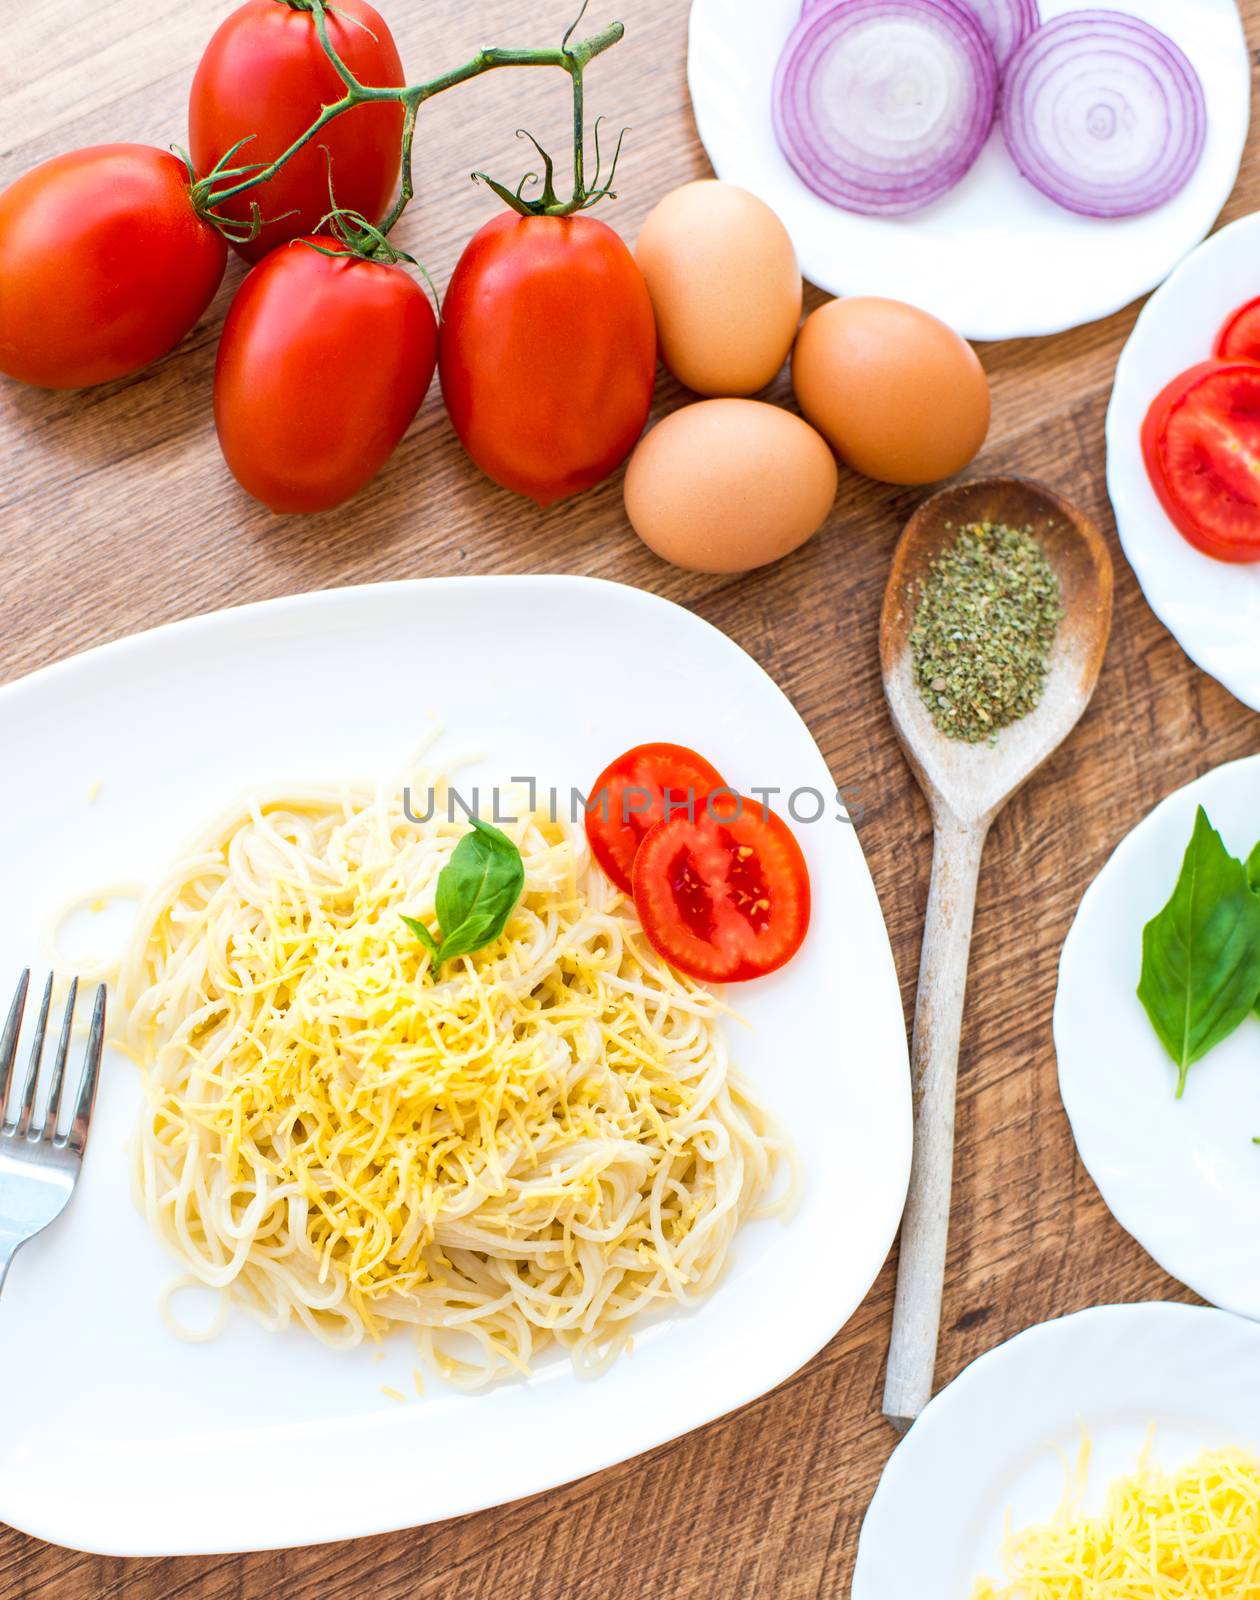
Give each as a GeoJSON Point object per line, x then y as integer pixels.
{"type": "Point", "coordinates": [934, 1063]}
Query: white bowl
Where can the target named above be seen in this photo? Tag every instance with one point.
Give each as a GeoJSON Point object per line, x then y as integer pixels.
{"type": "Point", "coordinates": [121, 1439]}
{"type": "Point", "coordinates": [1181, 1175]}
{"type": "Point", "coordinates": [994, 1442]}
{"type": "Point", "coordinates": [994, 258]}
{"type": "Point", "coordinates": [1211, 608]}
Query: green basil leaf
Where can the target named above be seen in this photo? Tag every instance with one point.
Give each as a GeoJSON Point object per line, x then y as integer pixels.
{"type": "Point", "coordinates": [425, 937]}
{"type": "Point", "coordinates": [1253, 882]}
{"type": "Point", "coordinates": [477, 891]}
{"type": "Point", "coordinates": [1201, 954]}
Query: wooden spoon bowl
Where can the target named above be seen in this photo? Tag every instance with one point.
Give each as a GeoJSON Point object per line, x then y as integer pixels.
{"type": "Point", "coordinates": [966, 786]}
{"type": "Point", "coordinates": [975, 780]}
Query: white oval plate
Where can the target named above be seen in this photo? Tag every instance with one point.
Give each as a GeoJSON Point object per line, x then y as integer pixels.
{"type": "Point", "coordinates": [994, 1441]}
{"type": "Point", "coordinates": [1181, 1175]}
{"type": "Point", "coordinates": [1211, 608]}
{"type": "Point", "coordinates": [993, 258]}
{"type": "Point", "coordinates": [118, 1438]}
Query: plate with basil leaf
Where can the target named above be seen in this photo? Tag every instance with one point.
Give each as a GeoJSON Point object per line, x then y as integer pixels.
{"type": "Point", "coordinates": [1157, 1030]}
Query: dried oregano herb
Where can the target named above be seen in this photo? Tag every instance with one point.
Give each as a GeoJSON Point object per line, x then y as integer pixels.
{"type": "Point", "coordinates": [983, 631]}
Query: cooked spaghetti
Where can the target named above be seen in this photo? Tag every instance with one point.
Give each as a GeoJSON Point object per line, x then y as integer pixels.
{"type": "Point", "coordinates": [538, 1142]}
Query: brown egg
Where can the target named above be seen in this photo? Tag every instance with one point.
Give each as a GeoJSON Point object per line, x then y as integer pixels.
{"type": "Point", "coordinates": [725, 287]}
{"type": "Point", "coordinates": [727, 485]}
{"type": "Point", "coordinates": [900, 395]}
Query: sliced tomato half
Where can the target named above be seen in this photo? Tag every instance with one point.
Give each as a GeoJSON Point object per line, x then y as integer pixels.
{"type": "Point", "coordinates": [1201, 444]}
{"type": "Point", "coordinates": [1153, 428]}
{"type": "Point", "coordinates": [723, 895]}
{"type": "Point", "coordinates": [1239, 339]}
{"type": "Point", "coordinates": [630, 797]}
{"type": "Point", "coordinates": [1163, 402]}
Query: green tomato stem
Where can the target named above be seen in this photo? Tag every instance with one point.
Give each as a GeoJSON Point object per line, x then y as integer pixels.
{"type": "Point", "coordinates": [579, 136]}
{"type": "Point", "coordinates": [572, 59]}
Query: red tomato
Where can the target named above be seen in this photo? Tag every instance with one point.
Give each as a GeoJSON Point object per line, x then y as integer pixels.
{"type": "Point", "coordinates": [1201, 444]}
{"type": "Point", "coordinates": [264, 73]}
{"type": "Point", "coordinates": [1157, 416]}
{"type": "Point", "coordinates": [723, 897]}
{"type": "Point", "coordinates": [104, 265]}
{"type": "Point", "coordinates": [629, 798]}
{"type": "Point", "coordinates": [1239, 339]}
{"type": "Point", "coordinates": [322, 367]}
{"type": "Point", "coordinates": [548, 353]}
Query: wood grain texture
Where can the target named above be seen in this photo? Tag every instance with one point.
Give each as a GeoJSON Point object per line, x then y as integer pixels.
{"type": "Point", "coordinates": [116, 513]}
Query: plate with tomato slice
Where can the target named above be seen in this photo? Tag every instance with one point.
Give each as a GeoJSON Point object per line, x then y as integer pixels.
{"type": "Point", "coordinates": [1183, 456]}
{"type": "Point", "coordinates": [552, 681]}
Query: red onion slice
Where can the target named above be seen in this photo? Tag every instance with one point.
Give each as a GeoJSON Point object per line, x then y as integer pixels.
{"type": "Point", "coordinates": [1006, 24]}
{"type": "Point", "coordinates": [882, 106]}
{"type": "Point", "coordinates": [1104, 114]}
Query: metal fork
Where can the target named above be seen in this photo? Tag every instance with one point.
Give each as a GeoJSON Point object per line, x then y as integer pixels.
{"type": "Point", "coordinates": [39, 1165]}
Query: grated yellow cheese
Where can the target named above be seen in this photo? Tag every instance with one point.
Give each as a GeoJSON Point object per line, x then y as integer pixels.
{"type": "Point", "coordinates": [1192, 1534]}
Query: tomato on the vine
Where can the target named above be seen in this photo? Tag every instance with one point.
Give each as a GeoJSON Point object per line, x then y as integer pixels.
{"type": "Point", "coordinates": [548, 353]}
{"type": "Point", "coordinates": [104, 265]}
{"type": "Point", "coordinates": [323, 364]}
{"type": "Point", "coordinates": [264, 73]}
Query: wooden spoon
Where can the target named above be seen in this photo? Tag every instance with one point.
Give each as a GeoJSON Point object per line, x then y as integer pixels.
{"type": "Point", "coordinates": [966, 786]}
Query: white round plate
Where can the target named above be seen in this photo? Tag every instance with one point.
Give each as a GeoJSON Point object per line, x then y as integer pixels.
{"type": "Point", "coordinates": [994, 1442]}
{"type": "Point", "coordinates": [1181, 1175]}
{"type": "Point", "coordinates": [1211, 608]}
{"type": "Point", "coordinates": [994, 258]}
{"type": "Point", "coordinates": [119, 1438]}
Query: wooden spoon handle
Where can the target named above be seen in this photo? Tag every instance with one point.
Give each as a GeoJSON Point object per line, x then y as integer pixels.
{"type": "Point", "coordinates": [934, 1065]}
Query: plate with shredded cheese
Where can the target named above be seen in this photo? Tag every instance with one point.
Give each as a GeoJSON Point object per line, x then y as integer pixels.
{"type": "Point", "coordinates": [461, 1232]}
{"type": "Point", "coordinates": [1109, 1455]}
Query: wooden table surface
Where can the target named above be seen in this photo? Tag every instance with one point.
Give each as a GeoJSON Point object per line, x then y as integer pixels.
{"type": "Point", "coordinates": [116, 513]}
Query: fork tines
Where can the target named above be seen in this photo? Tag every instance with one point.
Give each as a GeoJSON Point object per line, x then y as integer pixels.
{"type": "Point", "coordinates": [19, 1092]}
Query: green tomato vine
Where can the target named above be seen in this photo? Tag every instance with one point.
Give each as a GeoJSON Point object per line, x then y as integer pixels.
{"type": "Point", "coordinates": [226, 182]}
